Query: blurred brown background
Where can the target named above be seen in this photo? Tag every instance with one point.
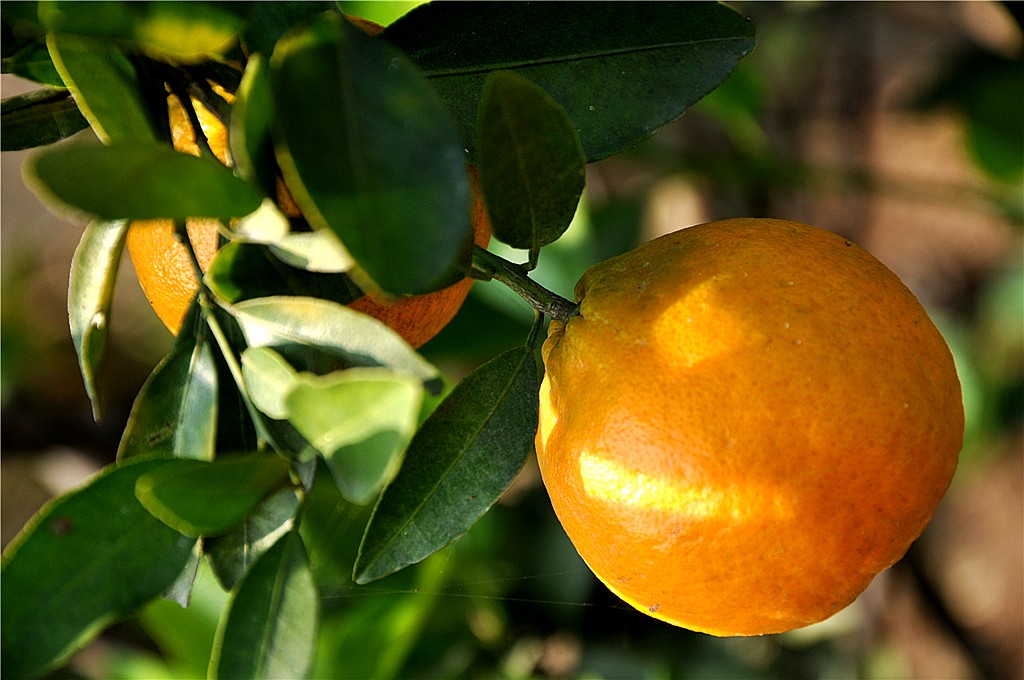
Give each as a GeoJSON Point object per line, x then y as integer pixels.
{"type": "Point", "coordinates": [898, 125]}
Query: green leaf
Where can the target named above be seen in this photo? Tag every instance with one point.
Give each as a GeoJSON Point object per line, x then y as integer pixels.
{"type": "Point", "coordinates": [202, 498]}
{"type": "Point", "coordinates": [268, 21]}
{"type": "Point", "coordinates": [232, 554]}
{"type": "Point", "coordinates": [245, 271]}
{"type": "Point", "coordinates": [268, 380]}
{"type": "Point", "coordinates": [85, 560]}
{"type": "Point", "coordinates": [138, 181]}
{"type": "Point", "coordinates": [175, 413]}
{"type": "Point", "coordinates": [620, 70]}
{"type": "Point", "coordinates": [309, 323]}
{"type": "Point", "coordinates": [269, 629]}
{"type": "Point", "coordinates": [33, 62]}
{"type": "Point", "coordinates": [90, 290]}
{"type": "Point", "coordinates": [360, 420]}
{"type": "Point", "coordinates": [169, 31]}
{"type": "Point", "coordinates": [458, 464]}
{"type": "Point", "coordinates": [181, 590]}
{"type": "Point", "coordinates": [532, 167]}
{"type": "Point", "coordinates": [105, 85]}
{"type": "Point", "coordinates": [388, 174]}
{"type": "Point", "coordinates": [38, 118]}
{"type": "Point", "coordinates": [391, 626]}
{"type": "Point", "coordinates": [252, 118]}
{"type": "Point", "coordinates": [185, 636]}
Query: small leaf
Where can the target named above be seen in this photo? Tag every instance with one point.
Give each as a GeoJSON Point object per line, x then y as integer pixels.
{"type": "Point", "coordinates": [85, 560]}
{"type": "Point", "coordinates": [38, 118]}
{"type": "Point", "coordinates": [360, 420]}
{"type": "Point", "coordinates": [388, 174]}
{"type": "Point", "coordinates": [282, 322]}
{"type": "Point", "coordinates": [90, 290]}
{"type": "Point", "coordinates": [268, 380]}
{"type": "Point", "coordinates": [33, 62]}
{"type": "Point", "coordinates": [105, 85]}
{"type": "Point", "coordinates": [621, 70]}
{"type": "Point", "coordinates": [138, 181]}
{"type": "Point", "coordinates": [175, 413]}
{"type": "Point", "coordinates": [246, 271]}
{"type": "Point", "coordinates": [232, 554]}
{"type": "Point", "coordinates": [458, 464]}
{"type": "Point", "coordinates": [201, 498]}
{"type": "Point", "coordinates": [532, 166]}
{"type": "Point", "coordinates": [269, 628]}
{"type": "Point", "coordinates": [314, 251]}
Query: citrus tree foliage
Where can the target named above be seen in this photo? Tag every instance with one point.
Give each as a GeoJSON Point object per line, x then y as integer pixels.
{"type": "Point", "coordinates": [274, 388]}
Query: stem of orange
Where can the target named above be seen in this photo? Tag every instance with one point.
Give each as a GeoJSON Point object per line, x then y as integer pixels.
{"type": "Point", "coordinates": [487, 265]}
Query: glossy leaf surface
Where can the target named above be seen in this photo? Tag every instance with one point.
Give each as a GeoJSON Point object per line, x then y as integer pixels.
{"type": "Point", "coordinates": [202, 498]}
{"type": "Point", "coordinates": [175, 412]}
{"type": "Point", "coordinates": [620, 69]}
{"type": "Point", "coordinates": [232, 554]}
{"type": "Point", "coordinates": [357, 339]}
{"type": "Point", "coordinates": [360, 420]}
{"type": "Point", "coordinates": [532, 166]}
{"type": "Point", "coordinates": [105, 85]}
{"type": "Point", "coordinates": [269, 628]}
{"type": "Point", "coordinates": [138, 181]}
{"type": "Point", "coordinates": [85, 560]}
{"type": "Point", "coordinates": [387, 175]}
{"type": "Point", "coordinates": [461, 459]}
{"type": "Point", "coordinates": [90, 291]}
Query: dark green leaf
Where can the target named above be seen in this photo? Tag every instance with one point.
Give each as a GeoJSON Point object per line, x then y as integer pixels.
{"type": "Point", "coordinates": [39, 118]}
{"type": "Point", "coordinates": [175, 413]}
{"type": "Point", "coordinates": [232, 554]}
{"type": "Point", "coordinates": [269, 628]}
{"type": "Point", "coordinates": [105, 85]}
{"type": "Point", "coordinates": [172, 31]}
{"type": "Point", "coordinates": [202, 498]}
{"type": "Point", "coordinates": [33, 62]}
{"type": "Point", "coordinates": [620, 69]}
{"type": "Point", "coordinates": [90, 290]}
{"type": "Point", "coordinates": [360, 420]}
{"type": "Point", "coordinates": [268, 21]}
{"type": "Point", "coordinates": [138, 182]}
{"type": "Point", "coordinates": [244, 271]}
{"type": "Point", "coordinates": [252, 118]}
{"type": "Point", "coordinates": [461, 459]}
{"type": "Point", "coordinates": [285, 322]}
{"type": "Point", "coordinates": [85, 560]}
{"type": "Point", "coordinates": [532, 167]}
{"type": "Point", "coordinates": [387, 175]}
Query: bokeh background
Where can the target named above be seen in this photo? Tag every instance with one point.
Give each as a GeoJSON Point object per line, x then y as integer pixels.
{"type": "Point", "coordinates": [898, 125]}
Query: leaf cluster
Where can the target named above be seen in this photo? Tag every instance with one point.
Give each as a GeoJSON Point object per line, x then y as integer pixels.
{"type": "Point", "coordinates": [273, 384]}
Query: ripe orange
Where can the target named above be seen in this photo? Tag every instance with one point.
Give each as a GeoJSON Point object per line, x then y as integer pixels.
{"type": "Point", "coordinates": [747, 421]}
{"type": "Point", "coordinates": [167, 275]}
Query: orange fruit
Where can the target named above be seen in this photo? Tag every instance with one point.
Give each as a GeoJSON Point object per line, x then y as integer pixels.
{"type": "Point", "coordinates": [162, 262]}
{"type": "Point", "coordinates": [167, 275]}
{"type": "Point", "coordinates": [745, 423]}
